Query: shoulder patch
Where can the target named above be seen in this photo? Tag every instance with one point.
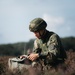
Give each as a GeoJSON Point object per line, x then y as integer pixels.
{"type": "Point", "coordinates": [52, 46]}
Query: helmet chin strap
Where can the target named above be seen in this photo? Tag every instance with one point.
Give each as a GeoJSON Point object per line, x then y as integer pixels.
{"type": "Point", "coordinates": [42, 35]}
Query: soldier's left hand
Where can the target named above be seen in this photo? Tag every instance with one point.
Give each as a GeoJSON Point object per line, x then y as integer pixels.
{"type": "Point", "coordinates": [33, 56]}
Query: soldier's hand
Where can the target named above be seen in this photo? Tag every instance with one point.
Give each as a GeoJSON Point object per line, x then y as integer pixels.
{"type": "Point", "coordinates": [22, 56]}
{"type": "Point", "coordinates": [33, 56]}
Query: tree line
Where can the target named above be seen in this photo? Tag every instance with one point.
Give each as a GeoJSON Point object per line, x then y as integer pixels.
{"type": "Point", "coordinates": [20, 48]}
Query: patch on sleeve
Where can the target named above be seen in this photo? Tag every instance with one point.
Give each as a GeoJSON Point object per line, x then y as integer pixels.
{"type": "Point", "coordinates": [52, 46]}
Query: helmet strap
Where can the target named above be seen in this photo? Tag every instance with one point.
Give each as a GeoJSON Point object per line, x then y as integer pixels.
{"type": "Point", "coordinates": [42, 34]}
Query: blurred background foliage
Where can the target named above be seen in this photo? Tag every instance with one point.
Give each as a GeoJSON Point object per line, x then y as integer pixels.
{"type": "Point", "coordinates": [20, 48]}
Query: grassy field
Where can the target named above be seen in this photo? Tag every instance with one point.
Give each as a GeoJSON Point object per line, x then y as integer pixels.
{"type": "Point", "coordinates": [68, 68]}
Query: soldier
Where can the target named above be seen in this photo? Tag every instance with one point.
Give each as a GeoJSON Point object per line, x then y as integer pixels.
{"type": "Point", "coordinates": [47, 45]}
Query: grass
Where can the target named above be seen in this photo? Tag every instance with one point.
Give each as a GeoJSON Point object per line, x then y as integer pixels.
{"type": "Point", "coordinates": [67, 68]}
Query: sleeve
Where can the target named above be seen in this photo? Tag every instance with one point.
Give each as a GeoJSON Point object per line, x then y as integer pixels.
{"type": "Point", "coordinates": [37, 49]}
{"type": "Point", "coordinates": [53, 50]}
{"type": "Point", "coordinates": [35, 46]}
{"type": "Point", "coordinates": [54, 47]}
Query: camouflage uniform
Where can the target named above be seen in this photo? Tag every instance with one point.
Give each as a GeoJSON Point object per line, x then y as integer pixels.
{"type": "Point", "coordinates": [49, 47]}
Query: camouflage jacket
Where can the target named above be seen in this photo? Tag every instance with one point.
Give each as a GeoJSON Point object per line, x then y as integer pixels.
{"type": "Point", "coordinates": [50, 47]}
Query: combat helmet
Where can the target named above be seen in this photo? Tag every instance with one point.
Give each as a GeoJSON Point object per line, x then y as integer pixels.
{"type": "Point", "coordinates": [37, 24]}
